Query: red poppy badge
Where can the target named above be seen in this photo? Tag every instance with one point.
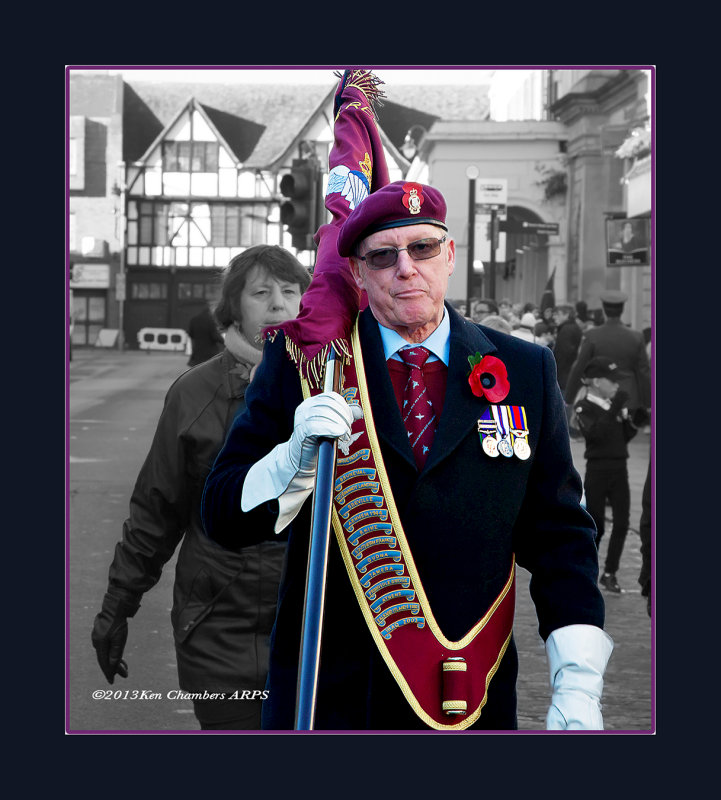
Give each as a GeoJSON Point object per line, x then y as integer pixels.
{"type": "Point", "coordinates": [488, 378]}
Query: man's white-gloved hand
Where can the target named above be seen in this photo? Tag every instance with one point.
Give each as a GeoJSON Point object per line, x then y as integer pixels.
{"type": "Point", "coordinates": [577, 658]}
{"type": "Point", "coordinates": [287, 473]}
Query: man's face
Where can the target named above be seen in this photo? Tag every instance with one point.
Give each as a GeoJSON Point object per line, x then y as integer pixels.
{"type": "Point", "coordinates": [481, 311]}
{"type": "Point", "coordinates": [559, 317]}
{"type": "Point", "coordinates": [409, 295]}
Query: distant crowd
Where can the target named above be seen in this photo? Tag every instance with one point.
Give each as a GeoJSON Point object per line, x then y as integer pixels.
{"type": "Point", "coordinates": [559, 327]}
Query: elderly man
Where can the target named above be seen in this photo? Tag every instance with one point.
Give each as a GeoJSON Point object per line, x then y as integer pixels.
{"type": "Point", "coordinates": [433, 508]}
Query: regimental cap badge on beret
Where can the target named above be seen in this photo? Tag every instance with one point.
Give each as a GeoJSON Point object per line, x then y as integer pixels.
{"type": "Point", "coordinates": [413, 197]}
{"type": "Point", "coordinates": [392, 206]}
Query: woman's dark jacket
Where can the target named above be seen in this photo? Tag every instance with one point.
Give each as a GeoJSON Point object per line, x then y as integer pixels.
{"type": "Point", "coordinates": [223, 602]}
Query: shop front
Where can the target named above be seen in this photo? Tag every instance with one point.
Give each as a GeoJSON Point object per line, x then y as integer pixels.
{"type": "Point", "coordinates": [89, 293]}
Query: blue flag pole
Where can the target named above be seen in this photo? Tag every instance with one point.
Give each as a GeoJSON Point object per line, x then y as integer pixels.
{"type": "Point", "coordinates": [311, 633]}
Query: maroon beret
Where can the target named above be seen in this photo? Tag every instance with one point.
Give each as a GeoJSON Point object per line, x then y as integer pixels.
{"type": "Point", "coordinates": [393, 205]}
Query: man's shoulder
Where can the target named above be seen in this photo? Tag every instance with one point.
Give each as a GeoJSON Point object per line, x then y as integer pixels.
{"type": "Point", "coordinates": [200, 377]}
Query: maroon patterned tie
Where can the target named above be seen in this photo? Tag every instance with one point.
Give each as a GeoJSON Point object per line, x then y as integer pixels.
{"type": "Point", "coordinates": [418, 414]}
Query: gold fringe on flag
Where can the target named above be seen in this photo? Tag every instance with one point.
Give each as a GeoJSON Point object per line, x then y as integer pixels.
{"type": "Point", "coordinates": [313, 370]}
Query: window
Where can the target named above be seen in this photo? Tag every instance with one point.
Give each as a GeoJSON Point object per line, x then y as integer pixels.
{"type": "Point", "coordinates": [205, 157]}
{"type": "Point", "coordinates": [197, 291]}
{"type": "Point", "coordinates": [148, 290]}
{"type": "Point", "coordinates": [225, 226]}
{"type": "Point", "coordinates": [89, 316]}
{"type": "Point", "coordinates": [190, 156]}
{"type": "Point", "coordinates": [238, 226]}
{"type": "Point", "coordinates": [153, 223]}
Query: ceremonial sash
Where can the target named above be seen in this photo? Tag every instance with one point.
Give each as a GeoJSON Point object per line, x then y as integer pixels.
{"type": "Point", "coordinates": [445, 682]}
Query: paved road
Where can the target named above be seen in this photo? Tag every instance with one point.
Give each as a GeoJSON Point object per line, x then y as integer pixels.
{"type": "Point", "coordinates": [115, 401]}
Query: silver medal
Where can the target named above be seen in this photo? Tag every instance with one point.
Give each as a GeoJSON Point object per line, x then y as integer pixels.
{"type": "Point", "coordinates": [505, 448]}
{"type": "Point", "coordinates": [521, 449]}
{"type": "Point", "coordinates": [490, 446]}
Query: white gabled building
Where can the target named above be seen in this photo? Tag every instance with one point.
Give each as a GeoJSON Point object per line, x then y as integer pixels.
{"type": "Point", "coordinates": [192, 179]}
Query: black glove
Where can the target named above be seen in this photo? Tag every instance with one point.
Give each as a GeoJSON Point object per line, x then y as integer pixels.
{"type": "Point", "coordinates": [110, 632]}
{"type": "Point", "coordinates": [619, 401]}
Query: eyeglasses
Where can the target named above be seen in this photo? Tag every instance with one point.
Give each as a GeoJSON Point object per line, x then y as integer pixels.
{"type": "Point", "coordinates": [386, 257]}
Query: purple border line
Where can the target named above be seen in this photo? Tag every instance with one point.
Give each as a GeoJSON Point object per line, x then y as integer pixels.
{"type": "Point", "coordinates": [652, 730]}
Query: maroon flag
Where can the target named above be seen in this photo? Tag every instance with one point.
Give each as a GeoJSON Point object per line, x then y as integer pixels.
{"type": "Point", "coordinates": [357, 167]}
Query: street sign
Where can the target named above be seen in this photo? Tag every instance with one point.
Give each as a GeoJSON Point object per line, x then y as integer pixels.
{"type": "Point", "coordinates": [518, 226]}
{"type": "Point", "coordinates": [491, 191]}
{"type": "Point", "coordinates": [90, 276]}
{"type": "Point", "coordinates": [491, 195]}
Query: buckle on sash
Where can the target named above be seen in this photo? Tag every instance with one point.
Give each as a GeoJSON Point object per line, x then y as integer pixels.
{"type": "Point", "coordinates": [455, 686]}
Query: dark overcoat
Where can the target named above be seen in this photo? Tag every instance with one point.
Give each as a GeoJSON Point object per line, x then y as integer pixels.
{"type": "Point", "coordinates": [205, 338]}
{"type": "Point", "coordinates": [627, 349]}
{"type": "Point", "coordinates": [464, 516]}
{"type": "Point", "coordinates": [565, 349]}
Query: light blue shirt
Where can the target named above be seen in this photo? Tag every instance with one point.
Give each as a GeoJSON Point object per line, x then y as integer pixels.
{"type": "Point", "coordinates": [439, 342]}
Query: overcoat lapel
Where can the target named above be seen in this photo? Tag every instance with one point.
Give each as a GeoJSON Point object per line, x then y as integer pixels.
{"type": "Point", "coordinates": [461, 408]}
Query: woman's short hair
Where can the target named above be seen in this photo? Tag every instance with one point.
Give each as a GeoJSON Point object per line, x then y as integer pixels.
{"type": "Point", "coordinates": [275, 260]}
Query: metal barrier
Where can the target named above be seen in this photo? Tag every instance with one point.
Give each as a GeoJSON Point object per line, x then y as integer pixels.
{"type": "Point", "coordinates": [162, 339]}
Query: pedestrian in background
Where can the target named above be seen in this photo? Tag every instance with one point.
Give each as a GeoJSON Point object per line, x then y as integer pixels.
{"type": "Point", "coordinates": [223, 602]}
{"type": "Point", "coordinates": [547, 317]}
{"type": "Point", "coordinates": [497, 322]}
{"type": "Point", "coordinates": [205, 338]}
{"type": "Point", "coordinates": [582, 318]}
{"type": "Point", "coordinates": [607, 429]}
{"type": "Point", "coordinates": [485, 307]}
{"type": "Point", "coordinates": [568, 340]}
{"type": "Point", "coordinates": [512, 314]}
{"type": "Point", "coordinates": [625, 347]}
{"type": "Point", "coordinates": [526, 327]}
{"type": "Point", "coordinates": [543, 334]}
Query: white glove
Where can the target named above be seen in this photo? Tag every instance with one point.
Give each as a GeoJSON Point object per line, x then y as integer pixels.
{"type": "Point", "coordinates": [287, 473]}
{"type": "Point", "coordinates": [577, 658]}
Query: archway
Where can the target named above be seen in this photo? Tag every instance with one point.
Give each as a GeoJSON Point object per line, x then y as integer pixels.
{"type": "Point", "coordinates": [522, 276]}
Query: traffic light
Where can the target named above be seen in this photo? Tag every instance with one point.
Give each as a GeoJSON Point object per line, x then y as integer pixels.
{"type": "Point", "coordinates": [301, 212]}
